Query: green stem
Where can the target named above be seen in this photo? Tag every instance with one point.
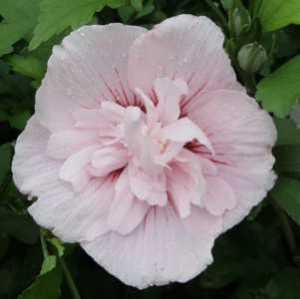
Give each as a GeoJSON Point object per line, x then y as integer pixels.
{"type": "Point", "coordinates": [43, 244]}
{"type": "Point", "coordinates": [286, 228]}
{"type": "Point", "coordinates": [69, 279]}
{"type": "Point", "coordinates": [64, 267]}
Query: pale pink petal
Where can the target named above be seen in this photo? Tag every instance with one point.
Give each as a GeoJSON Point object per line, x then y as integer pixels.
{"type": "Point", "coordinates": [152, 114]}
{"type": "Point", "coordinates": [134, 217]}
{"type": "Point", "coordinates": [250, 185]}
{"type": "Point", "coordinates": [126, 212]}
{"type": "Point", "coordinates": [237, 119]}
{"type": "Point", "coordinates": [242, 135]}
{"type": "Point", "coordinates": [87, 118]}
{"type": "Point", "coordinates": [219, 196]}
{"type": "Point", "coordinates": [185, 47]}
{"type": "Point", "coordinates": [162, 250]}
{"type": "Point", "coordinates": [122, 202]}
{"type": "Point", "coordinates": [207, 166]}
{"type": "Point", "coordinates": [37, 175]}
{"type": "Point", "coordinates": [53, 206]}
{"type": "Point", "coordinates": [171, 150]}
{"type": "Point", "coordinates": [112, 112]}
{"type": "Point", "coordinates": [89, 67]}
{"type": "Point", "coordinates": [88, 215]}
{"type": "Point", "coordinates": [169, 93]}
{"type": "Point", "coordinates": [74, 169]}
{"type": "Point", "coordinates": [179, 196]}
{"type": "Point", "coordinates": [142, 146]}
{"type": "Point", "coordinates": [108, 159]}
{"type": "Point", "coordinates": [32, 170]}
{"type": "Point", "coordinates": [64, 143]}
{"type": "Point", "coordinates": [102, 121]}
{"type": "Point", "coordinates": [184, 130]}
{"type": "Point", "coordinates": [132, 129]}
{"type": "Point", "coordinates": [186, 186]}
{"type": "Point", "coordinates": [149, 187]}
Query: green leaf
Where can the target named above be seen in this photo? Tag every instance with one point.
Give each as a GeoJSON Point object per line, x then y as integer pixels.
{"type": "Point", "coordinates": [49, 264]}
{"type": "Point", "coordinates": [137, 4]}
{"type": "Point", "coordinates": [115, 3]}
{"type": "Point", "coordinates": [58, 15]}
{"type": "Point", "coordinates": [148, 8]}
{"type": "Point", "coordinates": [287, 195]}
{"type": "Point", "coordinates": [18, 226]}
{"type": "Point", "coordinates": [284, 285]}
{"type": "Point", "coordinates": [280, 91]}
{"type": "Point", "coordinates": [227, 4]}
{"type": "Point", "coordinates": [126, 13]}
{"type": "Point", "coordinates": [4, 241]}
{"type": "Point", "coordinates": [5, 157]}
{"type": "Point", "coordinates": [29, 66]}
{"type": "Point", "coordinates": [287, 132]}
{"type": "Point", "coordinates": [285, 42]}
{"type": "Point", "coordinates": [19, 120]}
{"type": "Point", "coordinates": [20, 18]}
{"type": "Point", "coordinates": [287, 159]}
{"type": "Point", "coordinates": [46, 286]}
{"type": "Point", "coordinates": [58, 246]}
{"type": "Point", "coordinates": [275, 14]}
{"type": "Point", "coordinates": [33, 64]}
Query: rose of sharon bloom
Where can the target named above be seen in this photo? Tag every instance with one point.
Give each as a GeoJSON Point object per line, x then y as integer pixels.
{"type": "Point", "coordinates": [144, 148]}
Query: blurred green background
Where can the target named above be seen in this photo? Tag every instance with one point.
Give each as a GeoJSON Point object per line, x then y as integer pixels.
{"type": "Point", "coordinates": [258, 259]}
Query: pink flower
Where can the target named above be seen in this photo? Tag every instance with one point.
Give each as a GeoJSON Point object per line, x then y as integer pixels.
{"type": "Point", "coordinates": [144, 148]}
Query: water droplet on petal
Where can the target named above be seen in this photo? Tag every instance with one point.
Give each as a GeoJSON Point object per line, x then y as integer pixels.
{"type": "Point", "coordinates": [172, 57]}
{"type": "Point", "coordinates": [69, 92]}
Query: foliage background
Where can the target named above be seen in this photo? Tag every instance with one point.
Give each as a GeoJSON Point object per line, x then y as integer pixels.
{"type": "Point", "coordinates": [258, 259]}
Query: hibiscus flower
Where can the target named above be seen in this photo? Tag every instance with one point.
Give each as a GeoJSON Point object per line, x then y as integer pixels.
{"type": "Point", "coordinates": [144, 148]}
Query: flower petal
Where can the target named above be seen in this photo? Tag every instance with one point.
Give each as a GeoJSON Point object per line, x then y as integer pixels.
{"type": "Point", "coordinates": [242, 135]}
{"type": "Point", "coordinates": [108, 159]}
{"type": "Point", "coordinates": [169, 93]}
{"type": "Point", "coordinates": [63, 144]}
{"type": "Point", "coordinates": [37, 175]}
{"type": "Point", "coordinates": [185, 47]}
{"type": "Point", "coordinates": [122, 202]}
{"type": "Point", "coordinates": [33, 171]}
{"type": "Point", "coordinates": [219, 196]}
{"type": "Point", "coordinates": [88, 214]}
{"type": "Point", "coordinates": [74, 169]}
{"type": "Point", "coordinates": [186, 186]}
{"type": "Point", "coordinates": [149, 187]}
{"type": "Point", "coordinates": [184, 130]}
{"type": "Point", "coordinates": [162, 250]}
{"type": "Point", "coordinates": [89, 67]}
{"type": "Point", "coordinates": [237, 119]}
{"type": "Point", "coordinates": [126, 212]}
{"type": "Point", "coordinates": [134, 217]}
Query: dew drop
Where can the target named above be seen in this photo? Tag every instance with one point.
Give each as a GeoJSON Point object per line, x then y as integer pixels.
{"type": "Point", "coordinates": [160, 68]}
{"type": "Point", "coordinates": [172, 58]}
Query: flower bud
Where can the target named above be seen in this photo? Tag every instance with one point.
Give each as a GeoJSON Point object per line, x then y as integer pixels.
{"type": "Point", "coordinates": [252, 57]}
{"type": "Point", "coordinates": [239, 20]}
